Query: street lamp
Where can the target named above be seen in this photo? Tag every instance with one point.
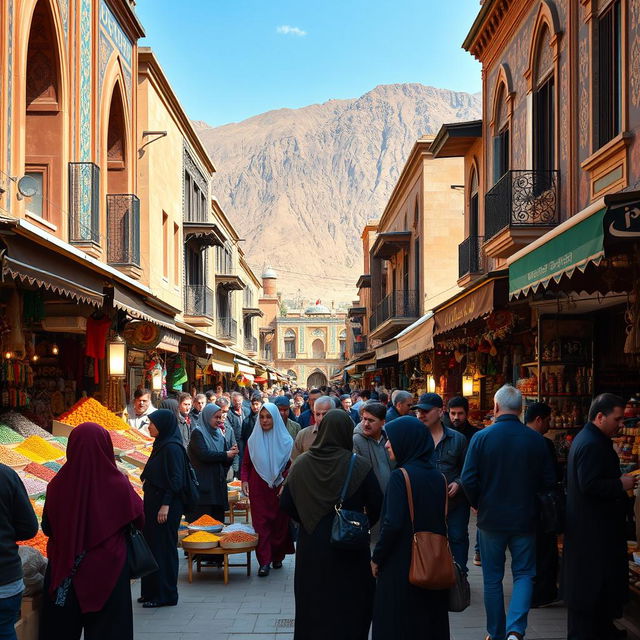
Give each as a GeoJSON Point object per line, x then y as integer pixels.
{"type": "Point", "coordinates": [117, 357]}
{"type": "Point", "coordinates": [467, 383]}
{"type": "Point", "coordinates": [431, 383]}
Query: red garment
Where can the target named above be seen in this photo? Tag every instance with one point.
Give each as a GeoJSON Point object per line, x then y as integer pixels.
{"type": "Point", "coordinates": [269, 521]}
{"type": "Point", "coordinates": [88, 505]}
{"type": "Point", "coordinates": [97, 342]}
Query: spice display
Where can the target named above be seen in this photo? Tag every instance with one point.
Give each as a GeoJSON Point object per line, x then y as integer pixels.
{"type": "Point", "coordinates": [90, 410]}
{"type": "Point", "coordinates": [9, 436]}
{"type": "Point", "coordinates": [37, 508]}
{"type": "Point", "coordinates": [40, 450]}
{"type": "Point", "coordinates": [40, 471]}
{"type": "Point", "coordinates": [53, 465]}
{"type": "Point", "coordinates": [34, 486]}
{"type": "Point", "coordinates": [21, 425]}
{"type": "Point", "coordinates": [140, 456]}
{"type": "Point", "coordinates": [239, 536]}
{"type": "Point", "coordinates": [39, 542]}
{"type": "Point", "coordinates": [120, 442]}
{"type": "Point", "coordinates": [206, 521]}
{"type": "Point", "coordinates": [202, 536]}
{"type": "Point", "coordinates": [12, 458]}
{"type": "Point", "coordinates": [138, 437]}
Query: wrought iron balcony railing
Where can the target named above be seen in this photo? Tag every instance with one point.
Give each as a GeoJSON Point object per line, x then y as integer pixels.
{"type": "Point", "coordinates": [470, 256]}
{"type": "Point", "coordinates": [251, 344]}
{"type": "Point", "coordinates": [522, 199]}
{"type": "Point", "coordinates": [198, 301]}
{"type": "Point", "coordinates": [123, 230]}
{"type": "Point", "coordinates": [399, 304]}
{"type": "Point", "coordinates": [84, 203]}
{"type": "Point", "coordinates": [227, 328]}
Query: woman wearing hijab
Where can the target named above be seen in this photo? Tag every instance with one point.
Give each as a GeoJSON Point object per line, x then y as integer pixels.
{"type": "Point", "coordinates": [164, 477]}
{"type": "Point", "coordinates": [211, 459]}
{"type": "Point", "coordinates": [401, 610]}
{"type": "Point", "coordinates": [334, 588]}
{"type": "Point", "coordinates": [89, 506]}
{"type": "Point", "coordinates": [264, 466]}
{"type": "Point", "coordinates": [183, 426]}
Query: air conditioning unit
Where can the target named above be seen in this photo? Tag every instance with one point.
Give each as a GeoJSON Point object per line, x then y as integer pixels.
{"type": "Point", "coordinates": [65, 324]}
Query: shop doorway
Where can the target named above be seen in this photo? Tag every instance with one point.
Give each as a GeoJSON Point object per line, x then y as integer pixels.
{"type": "Point", "coordinates": [316, 379]}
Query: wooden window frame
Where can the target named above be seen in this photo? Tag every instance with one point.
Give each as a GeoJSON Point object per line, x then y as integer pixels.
{"type": "Point", "coordinates": [40, 167]}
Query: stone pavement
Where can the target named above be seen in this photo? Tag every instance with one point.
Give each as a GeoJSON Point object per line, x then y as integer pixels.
{"type": "Point", "coordinates": [263, 609]}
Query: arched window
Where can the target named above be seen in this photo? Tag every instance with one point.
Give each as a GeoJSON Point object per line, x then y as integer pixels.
{"type": "Point", "coordinates": [292, 374]}
{"type": "Point", "coordinates": [502, 135]}
{"type": "Point", "coordinates": [117, 178]}
{"type": "Point", "coordinates": [473, 203]}
{"type": "Point", "coordinates": [317, 349]}
{"type": "Point", "coordinates": [289, 343]}
{"type": "Point", "coordinates": [44, 117]}
{"type": "Point", "coordinates": [544, 125]}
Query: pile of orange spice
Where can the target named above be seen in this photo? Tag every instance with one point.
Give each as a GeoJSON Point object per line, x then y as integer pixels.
{"type": "Point", "coordinates": [90, 410]}
{"type": "Point", "coordinates": [39, 542]}
{"type": "Point", "coordinates": [239, 536]}
{"type": "Point", "coordinates": [206, 521]}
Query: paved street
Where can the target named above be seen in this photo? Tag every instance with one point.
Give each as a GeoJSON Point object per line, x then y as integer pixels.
{"type": "Point", "coordinates": [262, 609]}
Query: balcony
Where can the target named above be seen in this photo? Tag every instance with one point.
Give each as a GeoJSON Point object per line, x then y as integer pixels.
{"type": "Point", "coordinates": [123, 233]}
{"type": "Point", "coordinates": [519, 208]}
{"type": "Point", "coordinates": [251, 344]}
{"type": "Point", "coordinates": [359, 347]}
{"type": "Point", "coordinates": [396, 312]}
{"type": "Point", "coordinates": [227, 329]}
{"type": "Point", "coordinates": [198, 305]}
{"type": "Point", "coordinates": [84, 206]}
{"type": "Point", "coordinates": [228, 278]}
{"type": "Point", "coordinates": [356, 312]}
{"type": "Point", "coordinates": [287, 354]}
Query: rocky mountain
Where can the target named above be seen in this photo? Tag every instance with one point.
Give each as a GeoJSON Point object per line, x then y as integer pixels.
{"type": "Point", "coordinates": [301, 183]}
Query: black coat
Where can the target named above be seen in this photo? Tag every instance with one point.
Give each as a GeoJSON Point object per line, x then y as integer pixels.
{"type": "Point", "coordinates": [595, 550]}
{"type": "Point", "coordinates": [402, 611]}
{"type": "Point", "coordinates": [334, 588]}
{"type": "Point", "coordinates": [211, 468]}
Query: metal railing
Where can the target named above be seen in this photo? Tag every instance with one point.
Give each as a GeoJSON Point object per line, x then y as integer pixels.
{"type": "Point", "coordinates": [84, 203]}
{"type": "Point", "coordinates": [227, 328]}
{"type": "Point", "coordinates": [251, 343]}
{"type": "Point", "coordinates": [470, 256]}
{"type": "Point", "coordinates": [198, 300]}
{"type": "Point", "coordinates": [123, 230]}
{"type": "Point", "coordinates": [522, 199]}
{"type": "Point", "coordinates": [399, 304]}
{"type": "Point", "coordinates": [360, 347]}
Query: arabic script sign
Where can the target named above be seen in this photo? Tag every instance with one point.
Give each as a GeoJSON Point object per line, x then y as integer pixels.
{"type": "Point", "coordinates": [623, 222]}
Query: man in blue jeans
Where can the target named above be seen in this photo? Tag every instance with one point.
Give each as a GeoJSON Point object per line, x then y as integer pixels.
{"type": "Point", "coordinates": [448, 456]}
{"type": "Point", "coordinates": [17, 522]}
{"type": "Point", "coordinates": [507, 464]}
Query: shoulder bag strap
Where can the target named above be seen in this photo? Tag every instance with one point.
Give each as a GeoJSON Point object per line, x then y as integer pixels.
{"type": "Point", "coordinates": [407, 482]}
{"type": "Point", "coordinates": [345, 486]}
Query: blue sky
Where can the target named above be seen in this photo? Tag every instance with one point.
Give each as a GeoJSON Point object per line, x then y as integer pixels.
{"type": "Point", "coordinates": [230, 59]}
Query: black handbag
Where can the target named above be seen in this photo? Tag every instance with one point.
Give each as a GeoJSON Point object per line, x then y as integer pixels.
{"type": "Point", "coordinates": [139, 557]}
{"type": "Point", "coordinates": [460, 592]}
{"type": "Point", "coordinates": [350, 529]}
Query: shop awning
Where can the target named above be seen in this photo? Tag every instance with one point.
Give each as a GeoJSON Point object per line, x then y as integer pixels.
{"type": "Point", "coordinates": [570, 246]}
{"type": "Point", "coordinates": [222, 361]}
{"type": "Point", "coordinates": [471, 304]}
{"type": "Point", "coordinates": [30, 262]}
{"type": "Point", "coordinates": [387, 349]}
{"type": "Point", "coordinates": [416, 338]}
{"type": "Point", "coordinates": [134, 305]}
{"type": "Point", "coordinates": [243, 368]}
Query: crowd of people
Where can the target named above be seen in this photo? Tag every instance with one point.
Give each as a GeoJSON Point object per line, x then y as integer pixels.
{"type": "Point", "coordinates": [301, 458]}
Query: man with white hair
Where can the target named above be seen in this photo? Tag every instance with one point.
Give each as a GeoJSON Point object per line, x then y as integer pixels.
{"type": "Point", "coordinates": [507, 464]}
{"type": "Point", "coordinates": [307, 436]}
{"type": "Point", "coordinates": [401, 401]}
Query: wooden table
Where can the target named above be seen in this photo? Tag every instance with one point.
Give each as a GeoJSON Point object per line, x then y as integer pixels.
{"type": "Point", "coordinates": [219, 551]}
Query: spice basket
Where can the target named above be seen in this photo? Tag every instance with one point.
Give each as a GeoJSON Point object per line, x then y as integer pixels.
{"type": "Point", "coordinates": [214, 528]}
{"type": "Point", "coordinates": [239, 545]}
{"type": "Point", "coordinates": [199, 545]}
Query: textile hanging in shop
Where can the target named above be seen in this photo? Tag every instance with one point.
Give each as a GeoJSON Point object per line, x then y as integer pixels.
{"type": "Point", "coordinates": [96, 348]}
{"type": "Point", "coordinates": [179, 375]}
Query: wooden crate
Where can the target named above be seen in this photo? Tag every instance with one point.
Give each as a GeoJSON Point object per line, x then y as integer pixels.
{"type": "Point", "coordinates": [61, 429]}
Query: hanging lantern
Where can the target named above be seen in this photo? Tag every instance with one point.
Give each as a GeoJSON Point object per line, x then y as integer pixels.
{"type": "Point", "coordinates": [55, 350]}
{"type": "Point", "coordinates": [156, 378]}
{"type": "Point", "coordinates": [467, 383]}
{"type": "Point", "coordinates": [117, 357]}
{"type": "Point", "coordinates": [8, 355]}
{"type": "Point", "coordinates": [431, 384]}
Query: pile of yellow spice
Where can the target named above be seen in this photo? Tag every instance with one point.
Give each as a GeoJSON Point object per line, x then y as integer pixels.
{"type": "Point", "coordinates": [201, 536]}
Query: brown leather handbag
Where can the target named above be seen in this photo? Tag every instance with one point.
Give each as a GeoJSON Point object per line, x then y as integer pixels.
{"type": "Point", "coordinates": [431, 560]}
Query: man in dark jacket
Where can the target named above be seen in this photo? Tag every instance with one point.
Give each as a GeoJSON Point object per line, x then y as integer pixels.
{"type": "Point", "coordinates": [17, 522]}
{"type": "Point", "coordinates": [459, 417]}
{"type": "Point", "coordinates": [595, 550]}
{"type": "Point", "coordinates": [402, 401]}
{"type": "Point", "coordinates": [307, 418]}
{"type": "Point", "coordinates": [507, 464]}
{"type": "Point", "coordinates": [448, 457]}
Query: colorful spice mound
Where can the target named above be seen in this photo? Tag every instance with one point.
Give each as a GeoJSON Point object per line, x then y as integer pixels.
{"type": "Point", "coordinates": [9, 436]}
{"type": "Point", "coordinates": [206, 521]}
{"type": "Point", "coordinates": [90, 410]}
{"type": "Point", "coordinates": [33, 485]}
{"type": "Point", "coordinates": [39, 542]}
{"type": "Point", "coordinates": [54, 466]}
{"type": "Point", "coordinates": [139, 456]}
{"type": "Point", "coordinates": [40, 471]}
{"type": "Point", "coordinates": [201, 536]}
{"type": "Point", "coordinates": [23, 426]}
{"type": "Point", "coordinates": [120, 442]}
{"type": "Point", "coordinates": [239, 536]}
{"type": "Point", "coordinates": [40, 450]}
{"type": "Point", "coordinates": [38, 508]}
{"type": "Point", "coordinates": [138, 437]}
{"type": "Point", "coordinates": [63, 440]}
{"type": "Point", "coordinates": [12, 458]}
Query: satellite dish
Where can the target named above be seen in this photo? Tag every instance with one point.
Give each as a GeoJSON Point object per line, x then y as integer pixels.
{"type": "Point", "coordinates": [28, 186]}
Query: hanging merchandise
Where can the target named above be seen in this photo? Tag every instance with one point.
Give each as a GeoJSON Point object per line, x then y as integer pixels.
{"type": "Point", "coordinates": [97, 328]}
{"type": "Point", "coordinates": [179, 376]}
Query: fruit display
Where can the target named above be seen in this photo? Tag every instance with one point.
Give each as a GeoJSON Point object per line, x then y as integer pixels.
{"type": "Point", "coordinates": [38, 449]}
{"type": "Point", "coordinates": [90, 410]}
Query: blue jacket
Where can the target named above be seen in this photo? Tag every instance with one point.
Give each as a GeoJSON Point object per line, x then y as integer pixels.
{"type": "Point", "coordinates": [392, 414]}
{"type": "Point", "coordinates": [304, 419]}
{"type": "Point", "coordinates": [507, 464]}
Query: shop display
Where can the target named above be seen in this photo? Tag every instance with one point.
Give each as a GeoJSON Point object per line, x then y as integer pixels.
{"type": "Point", "coordinates": [34, 486]}
{"type": "Point", "coordinates": [9, 436]}
{"type": "Point", "coordinates": [40, 471]}
{"type": "Point", "coordinates": [13, 458]}
{"type": "Point", "coordinates": [39, 542]}
{"type": "Point", "coordinates": [90, 410]}
{"type": "Point", "coordinates": [238, 540]}
{"type": "Point", "coordinates": [38, 449]}
{"type": "Point", "coordinates": [205, 521]}
{"type": "Point", "coordinates": [23, 426]}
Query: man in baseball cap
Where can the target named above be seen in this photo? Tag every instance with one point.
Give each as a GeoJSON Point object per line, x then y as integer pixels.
{"type": "Point", "coordinates": [448, 456]}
